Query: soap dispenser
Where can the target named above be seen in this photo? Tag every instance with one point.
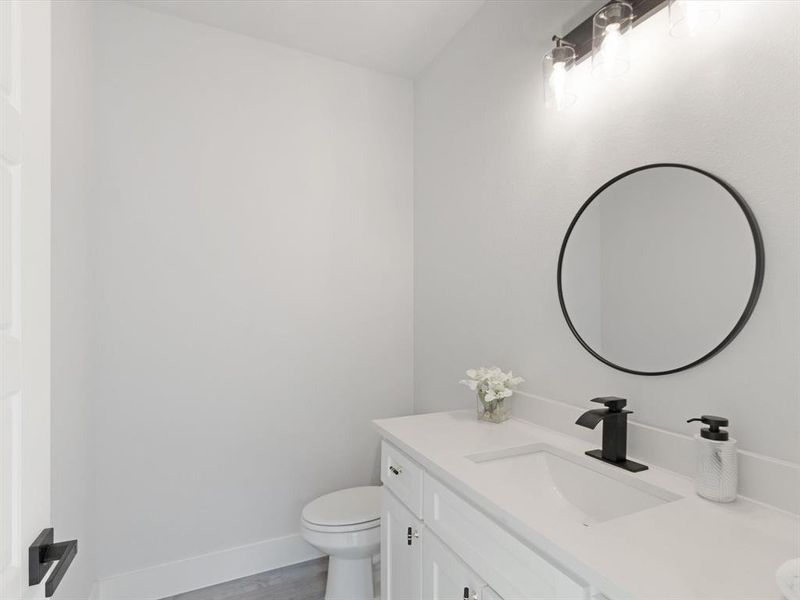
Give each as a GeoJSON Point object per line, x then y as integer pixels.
{"type": "Point", "coordinates": [717, 476]}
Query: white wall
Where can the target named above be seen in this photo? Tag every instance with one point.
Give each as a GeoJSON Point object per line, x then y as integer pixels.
{"type": "Point", "coordinates": [498, 179]}
{"type": "Point", "coordinates": [253, 295]}
{"type": "Point", "coordinates": [72, 416]}
{"type": "Point", "coordinates": [247, 255]}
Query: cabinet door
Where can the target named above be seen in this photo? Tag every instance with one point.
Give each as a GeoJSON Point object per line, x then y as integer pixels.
{"type": "Point", "coordinates": [445, 576]}
{"type": "Point", "coordinates": [401, 551]}
{"type": "Point", "coordinates": [490, 594]}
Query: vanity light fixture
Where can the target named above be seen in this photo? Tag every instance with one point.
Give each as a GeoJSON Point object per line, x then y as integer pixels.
{"type": "Point", "coordinates": [688, 18]}
{"type": "Point", "coordinates": [610, 46]}
{"type": "Point", "coordinates": [556, 66]}
{"type": "Point", "coordinates": [603, 37]}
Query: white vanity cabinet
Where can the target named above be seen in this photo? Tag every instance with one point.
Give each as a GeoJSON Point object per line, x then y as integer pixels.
{"type": "Point", "coordinates": [445, 576]}
{"type": "Point", "coordinates": [490, 594]}
{"type": "Point", "coordinates": [401, 551]}
{"type": "Point", "coordinates": [437, 546]}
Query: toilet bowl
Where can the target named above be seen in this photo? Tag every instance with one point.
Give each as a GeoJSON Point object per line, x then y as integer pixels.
{"type": "Point", "coordinates": [346, 525]}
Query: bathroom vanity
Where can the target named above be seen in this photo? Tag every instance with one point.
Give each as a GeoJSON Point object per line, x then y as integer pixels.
{"type": "Point", "coordinates": [480, 511]}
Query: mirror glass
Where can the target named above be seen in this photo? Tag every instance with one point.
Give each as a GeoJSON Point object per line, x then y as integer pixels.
{"type": "Point", "coordinates": [660, 269]}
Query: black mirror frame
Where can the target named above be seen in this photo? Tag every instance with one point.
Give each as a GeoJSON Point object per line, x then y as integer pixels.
{"type": "Point", "coordinates": [758, 279]}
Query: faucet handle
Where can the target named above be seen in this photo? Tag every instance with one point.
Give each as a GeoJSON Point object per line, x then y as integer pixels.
{"type": "Point", "coordinates": [613, 403]}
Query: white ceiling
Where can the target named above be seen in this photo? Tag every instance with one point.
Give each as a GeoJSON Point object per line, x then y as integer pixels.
{"type": "Point", "coordinates": [394, 36]}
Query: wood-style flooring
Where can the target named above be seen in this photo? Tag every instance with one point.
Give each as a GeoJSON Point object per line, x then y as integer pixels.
{"type": "Point", "coordinates": [305, 581]}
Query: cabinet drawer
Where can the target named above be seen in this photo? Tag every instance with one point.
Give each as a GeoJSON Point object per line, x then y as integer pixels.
{"type": "Point", "coordinates": [513, 569]}
{"type": "Point", "coordinates": [403, 476]}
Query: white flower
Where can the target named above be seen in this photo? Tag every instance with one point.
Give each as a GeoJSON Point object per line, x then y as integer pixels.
{"type": "Point", "coordinates": [471, 384]}
{"type": "Point", "coordinates": [491, 384]}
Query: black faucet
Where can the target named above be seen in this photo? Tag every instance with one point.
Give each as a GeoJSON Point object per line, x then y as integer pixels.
{"type": "Point", "coordinates": [615, 432]}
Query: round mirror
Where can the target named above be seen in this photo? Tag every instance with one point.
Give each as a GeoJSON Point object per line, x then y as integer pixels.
{"type": "Point", "coordinates": [660, 269]}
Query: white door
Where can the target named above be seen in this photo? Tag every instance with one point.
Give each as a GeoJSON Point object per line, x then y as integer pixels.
{"type": "Point", "coordinates": [24, 287]}
{"type": "Point", "coordinates": [445, 576]}
{"type": "Point", "coordinates": [401, 556]}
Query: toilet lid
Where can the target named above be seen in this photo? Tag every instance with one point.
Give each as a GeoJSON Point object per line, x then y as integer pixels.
{"type": "Point", "coordinates": [345, 507]}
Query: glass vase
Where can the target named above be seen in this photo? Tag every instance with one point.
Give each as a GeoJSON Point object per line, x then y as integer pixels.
{"type": "Point", "coordinates": [494, 411]}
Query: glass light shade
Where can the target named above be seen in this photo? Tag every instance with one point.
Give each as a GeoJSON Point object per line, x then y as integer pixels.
{"type": "Point", "coordinates": [611, 54]}
{"type": "Point", "coordinates": [556, 66]}
{"type": "Point", "coordinates": [688, 18]}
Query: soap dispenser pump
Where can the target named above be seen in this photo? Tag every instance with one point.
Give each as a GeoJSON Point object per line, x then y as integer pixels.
{"type": "Point", "coordinates": [717, 476]}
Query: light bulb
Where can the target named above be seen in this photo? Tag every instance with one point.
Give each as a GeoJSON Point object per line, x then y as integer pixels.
{"type": "Point", "coordinates": [611, 46]}
{"type": "Point", "coordinates": [556, 66]}
{"type": "Point", "coordinates": [610, 39]}
{"type": "Point", "coordinates": [692, 18]}
{"type": "Point", "coordinates": [689, 18]}
{"type": "Point", "coordinates": [558, 85]}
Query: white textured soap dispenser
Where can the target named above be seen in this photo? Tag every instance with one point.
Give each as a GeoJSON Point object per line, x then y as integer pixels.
{"type": "Point", "coordinates": [717, 475]}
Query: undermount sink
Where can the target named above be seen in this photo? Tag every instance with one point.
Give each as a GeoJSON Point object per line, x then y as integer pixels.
{"type": "Point", "coordinates": [568, 486]}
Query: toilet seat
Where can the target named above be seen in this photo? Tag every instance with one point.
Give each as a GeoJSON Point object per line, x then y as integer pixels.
{"type": "Point", "coordinates": [353, 509]}
{"type": "Point", "coordinates": [342, 528]}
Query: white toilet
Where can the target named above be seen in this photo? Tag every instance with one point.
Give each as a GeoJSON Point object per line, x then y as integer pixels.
{"type": "Point", "coordinates": [347, 526]}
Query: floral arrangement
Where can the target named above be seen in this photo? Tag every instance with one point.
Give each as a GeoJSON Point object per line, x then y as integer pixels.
{"type": "Point", "coordinates": [493, 386]}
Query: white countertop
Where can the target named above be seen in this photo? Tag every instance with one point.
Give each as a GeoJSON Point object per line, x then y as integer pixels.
{"type": "Point", "coordinates": [688, 549]}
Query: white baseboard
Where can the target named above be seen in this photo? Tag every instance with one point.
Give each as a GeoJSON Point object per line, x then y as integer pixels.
{"type": "Point", "coordinates": [202, 571]}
